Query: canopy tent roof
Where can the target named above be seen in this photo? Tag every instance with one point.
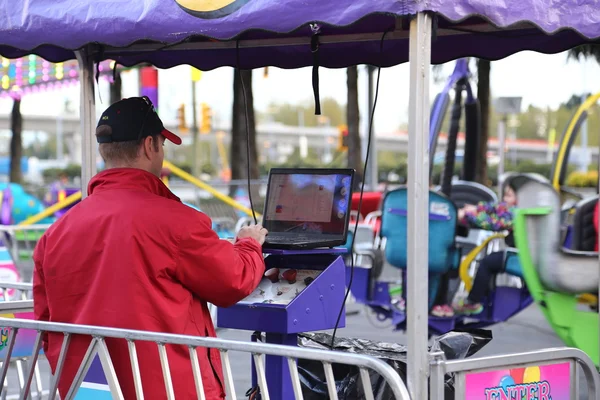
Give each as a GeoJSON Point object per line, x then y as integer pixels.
{"type": "Point", "coordinates": [349, 31]}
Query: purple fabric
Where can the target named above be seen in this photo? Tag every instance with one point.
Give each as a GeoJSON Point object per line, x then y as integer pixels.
{"type": "Point", "coordinates": [53, 29]}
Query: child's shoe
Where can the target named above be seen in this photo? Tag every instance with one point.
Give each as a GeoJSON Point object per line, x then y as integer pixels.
{"type": "Point", "coordinates": [467, 308]}
{"type": "Point", "coordinates": [442, 311]}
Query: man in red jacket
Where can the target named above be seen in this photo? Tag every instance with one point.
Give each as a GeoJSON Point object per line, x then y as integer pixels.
{"type": "Point", "coordinates": [132, 256]}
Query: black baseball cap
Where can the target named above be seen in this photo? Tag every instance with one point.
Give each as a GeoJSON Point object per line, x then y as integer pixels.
{"type": "Point", "coordinates": [132, 119]}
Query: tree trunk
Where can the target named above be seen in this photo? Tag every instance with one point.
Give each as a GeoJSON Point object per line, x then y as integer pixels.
{"type": "Point", "coordinates": [239, 135]}
{"type": "Point", "coordinates": [353, 121]}
{"type": "Point", "coordinates": [16, 144]}
{"type": "Point", "coordinates": [483, 93]}
{"type": "Point", "coordinates": [116, 89]}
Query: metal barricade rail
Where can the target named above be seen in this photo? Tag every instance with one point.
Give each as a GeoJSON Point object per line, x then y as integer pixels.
{"type": "Point", "coordinates": [258, 351]}
{"type": "Point", "coordinates": [16, 301]}
{"type": "Point", "coordinates": [462, 368]}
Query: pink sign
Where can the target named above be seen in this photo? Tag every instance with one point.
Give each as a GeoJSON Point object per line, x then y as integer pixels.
{"type": "Point", "coordinates": [544, 382]}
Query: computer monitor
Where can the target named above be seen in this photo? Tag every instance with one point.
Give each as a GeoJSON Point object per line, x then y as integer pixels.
{"type": "Point", "coordinates": [307, 207]}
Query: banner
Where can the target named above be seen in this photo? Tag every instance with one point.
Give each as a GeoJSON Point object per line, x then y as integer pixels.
{"type": "Point", "coordinates": [545, 382]}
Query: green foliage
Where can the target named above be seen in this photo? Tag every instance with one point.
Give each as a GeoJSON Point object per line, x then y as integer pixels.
{"type": "Point", "coordinates": [71, 171]}
{"type": "Point", "coordinates": [296, 114]}
{"type": "Point", "coordinates": [582, 179]}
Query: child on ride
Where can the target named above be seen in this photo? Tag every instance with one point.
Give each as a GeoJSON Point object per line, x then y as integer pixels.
{"type": "Point", "coordinates": [493, 217]}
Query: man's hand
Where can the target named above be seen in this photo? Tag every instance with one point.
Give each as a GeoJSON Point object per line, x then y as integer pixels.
{"type": "Point", "coordinates": [256, 232]}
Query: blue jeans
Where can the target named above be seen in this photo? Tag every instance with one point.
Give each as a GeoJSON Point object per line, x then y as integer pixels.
{"type": "Point", "coordinates": [489, 266]}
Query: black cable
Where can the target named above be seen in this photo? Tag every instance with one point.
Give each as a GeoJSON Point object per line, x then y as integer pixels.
{"type": "Point", "coordinates": [241, 78]}
{"type": "Point", "coordinates": [362, 189]}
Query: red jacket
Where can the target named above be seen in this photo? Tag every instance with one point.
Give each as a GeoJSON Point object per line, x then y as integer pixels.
{"type": "Point", "coordinates": [132, 256]}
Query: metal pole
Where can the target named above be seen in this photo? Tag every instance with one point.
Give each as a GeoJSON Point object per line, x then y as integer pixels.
{"type": "Point", "coordinates": [372, 178]}
{"type": "Point", "coordinates": [88, 118]}
{"type": "Point", "coordinates": [195, 171]}
{"type": "Point", "coordinates": [418, 205]}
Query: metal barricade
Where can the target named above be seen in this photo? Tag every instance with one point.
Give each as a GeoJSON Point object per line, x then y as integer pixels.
{"type": "Point", "coordinates": [257, 349]}
{"type": "Point", "coordinates": [20, 242]}
{"type": "Point", "coordinates": [16, 302]}
{"type": "Point", "coordinates": [470, 375]}
{"type": "Point", "coordinates": [11, 291]}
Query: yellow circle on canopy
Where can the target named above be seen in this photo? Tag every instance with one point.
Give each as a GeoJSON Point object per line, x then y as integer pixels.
{"type": "Point", "coordinates": [211, 9]}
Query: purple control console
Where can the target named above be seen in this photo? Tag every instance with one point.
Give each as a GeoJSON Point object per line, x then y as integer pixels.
{"type": "Point", "coordinates": [302, 291]}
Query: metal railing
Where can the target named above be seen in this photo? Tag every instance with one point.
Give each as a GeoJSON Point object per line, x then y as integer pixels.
{"type": "Point", "coordinates": [461, 368]}
{"type": "Point", "coordinates": [258, 351]}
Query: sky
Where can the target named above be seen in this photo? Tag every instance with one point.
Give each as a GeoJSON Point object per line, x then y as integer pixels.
{"type": "Point", "coordinates": [542, 80]}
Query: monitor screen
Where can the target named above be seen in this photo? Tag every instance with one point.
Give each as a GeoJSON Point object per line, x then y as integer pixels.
{"type": "Point", "coordinates": [308, 203]}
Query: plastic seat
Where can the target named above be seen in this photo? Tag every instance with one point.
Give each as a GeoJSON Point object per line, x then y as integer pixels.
{"type": "Point", "coordinates": [583, 231]}
{"type": "Point", "coordinates": [512, 265]}
{"type": "Point", "coordinates": [464, 192]}
{"type": "Point", "coordinates": [561, 270]}
{"type": "Point", "coordinates": [443, 253]}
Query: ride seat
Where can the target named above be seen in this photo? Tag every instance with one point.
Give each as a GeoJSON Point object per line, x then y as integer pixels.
{"type": "Point", "coordinates": [512, 264]}
{"type": "Point", "coordinates": [443, 253]}
{"type": "Point", "coordinates": [584, 233]}
{"type": "Point", "coordinates": [464, 192]}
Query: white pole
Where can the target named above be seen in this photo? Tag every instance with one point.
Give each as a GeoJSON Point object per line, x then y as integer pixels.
{"type": "Point", "coordinates": [418, 206]}
{"type": "Point", "coordinates": [373, 175]}
{"type": "Point", "coordinates": [87, 117]}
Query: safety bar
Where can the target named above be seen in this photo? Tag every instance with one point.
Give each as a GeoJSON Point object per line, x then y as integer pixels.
{"type": "Point", "coordinates": [440, 367]}
{"type": "Point", "coordinates": [432, 216]}
{"type": "Point", "coordinates": [98, 346]}
{"type": "Point", "coordinates": [473, 254]}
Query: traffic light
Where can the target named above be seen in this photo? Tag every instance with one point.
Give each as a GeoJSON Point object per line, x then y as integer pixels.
{"type": "Point", "coordinates": [206, 126]}
{"type": "Point", "coordinates": [181, 125]}
{"type": "Point", "coordinates": [343, 138]}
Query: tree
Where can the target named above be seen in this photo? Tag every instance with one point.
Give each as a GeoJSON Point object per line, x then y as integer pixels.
{"type": "Point", "coordinates": [483, 94]}
{"type": "Point", "coordinates": [16, 143]}
{"type": "Point", "coordinates": [585, 51]}
{"type": "Point", "coordinates": [116, 89]}
{"type": "Point", "coordinates": [353, 118]}
{"type": "Point", "coordinates": [240, 133]}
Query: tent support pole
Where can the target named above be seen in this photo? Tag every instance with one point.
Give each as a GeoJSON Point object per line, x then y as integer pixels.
{"type": "Point", "coordinates": [87, 117]}
{"type": "Point", "coordinates": [418, 206]}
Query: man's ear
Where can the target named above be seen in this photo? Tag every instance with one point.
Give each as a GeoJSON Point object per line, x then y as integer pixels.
{"type": "Point", "coordinates": [148, 147]}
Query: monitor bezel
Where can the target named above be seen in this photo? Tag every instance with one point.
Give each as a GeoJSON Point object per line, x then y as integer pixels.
{"type": "Point", "coordinates": [314, 171]}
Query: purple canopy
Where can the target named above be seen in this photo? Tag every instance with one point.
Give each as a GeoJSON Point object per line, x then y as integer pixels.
{"type": "Point", "coordinates": [53, 29]}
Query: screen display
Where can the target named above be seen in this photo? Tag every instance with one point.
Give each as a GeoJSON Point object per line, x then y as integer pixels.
{"type": "Point", "coordinates": [308, 203]}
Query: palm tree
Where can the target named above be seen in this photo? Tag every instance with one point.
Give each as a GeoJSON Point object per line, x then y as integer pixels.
{"type": "Point", "coordinates": [585, 51]}
{"type": "Point", "coordinates": [16, 144]}
{"type": "Point", "coordinates": [240, 133]}
{"type": "Point", "coordinates": [116, 88]}
{"type": "Point", "coordinates": [353, 121]}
